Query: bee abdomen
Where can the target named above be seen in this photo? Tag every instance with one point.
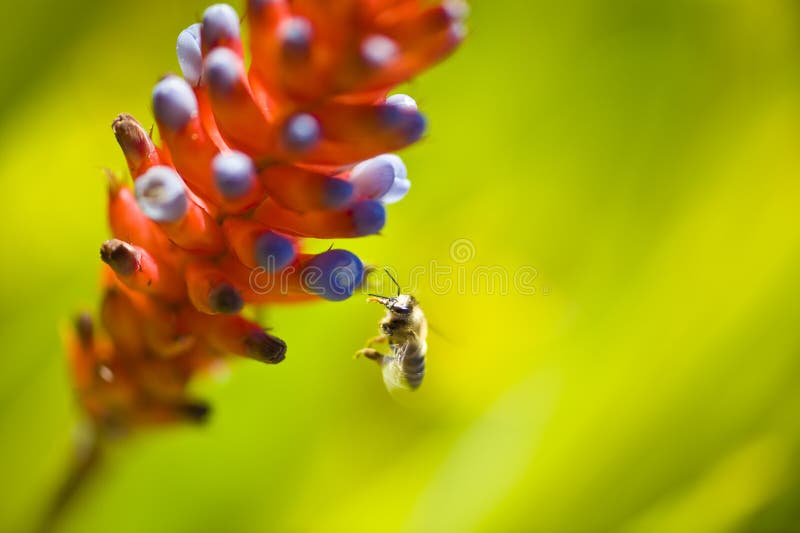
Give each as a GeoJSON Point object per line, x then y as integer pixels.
{"type": "Point", "coordinates": [414, 370]}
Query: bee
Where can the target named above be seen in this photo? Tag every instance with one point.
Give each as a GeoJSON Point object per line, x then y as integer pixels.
{"type": "Point", "coordinates": [405, 330]}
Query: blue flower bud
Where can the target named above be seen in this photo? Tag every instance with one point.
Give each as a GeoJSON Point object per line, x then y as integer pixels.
{"type": "Point", "coordinates": [333, 275]}
{"type": "Point", "coordinates": [234, 174]}
{"type": "Point", "coordinates": [190, 56]}
{"type": "Point", "coordinates": [161, 194]}
{"type": "Point", "coordinates": [174, 103]}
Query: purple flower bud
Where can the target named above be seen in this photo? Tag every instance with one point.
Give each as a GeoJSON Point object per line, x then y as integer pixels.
{"type": "Point", "coordinates": [161, 194]}
{"type": "Point", "coordinates": [190, 56]}
{"type": "Point", "coordinates": [337, 193]}
{"type": "Point", "coordinates": [402, 101]}
{"type": "Point", "coordinates": [273, 252]}
{"type": "Point", "coordinates": [408, 122]}
{"type": "Point", "coordinates": [381, 178]}
{"type": "Point", "coordinates": [333, 275]}
{"type": "Point", "coordinates": [222, 69]}
{"type": "Point", "coordinates": [174, 103]}
{"type": "Point", "coordinates": [301, 132]}
{"type": "Point", "coordinates": [369, 217]}
{"type": "Point", "coordinates": [234, 174]}
{"type": "Point", "coordinates": [295, 34]}
{"type": "Point", "coordinates": [397, 192]}
{"type": "Point", "coordinates": [457, 10]}
{"type": "Point", "coordinates": [378, 50]}
{"type": "Point", "coordinates": [220, 22]}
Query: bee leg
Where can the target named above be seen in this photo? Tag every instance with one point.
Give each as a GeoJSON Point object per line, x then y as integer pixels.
{"type": "Point", "coordinates": [376, 340]}
{"type": "Point", "coordinates": [369, 353]}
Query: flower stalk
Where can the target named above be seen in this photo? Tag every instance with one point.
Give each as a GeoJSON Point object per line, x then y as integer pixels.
{"type": "Point", "coordinates": [252, 160]}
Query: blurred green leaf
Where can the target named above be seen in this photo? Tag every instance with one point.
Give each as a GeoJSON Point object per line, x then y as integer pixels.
{"type": "Point", "coordinates": [641, 157]}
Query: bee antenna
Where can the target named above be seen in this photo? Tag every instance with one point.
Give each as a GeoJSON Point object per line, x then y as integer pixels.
{"type": "Point", "coordinates": [378, 296]}
{"type": "Point", "coordinates": [394, 280]}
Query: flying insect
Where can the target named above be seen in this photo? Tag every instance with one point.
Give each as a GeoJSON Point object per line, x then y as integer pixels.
{"type": "Point", "coordinates": [404, 329]}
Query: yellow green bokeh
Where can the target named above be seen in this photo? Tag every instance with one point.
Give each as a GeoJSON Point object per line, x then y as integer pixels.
{"type": "Point", "coordinates": [642, 157]}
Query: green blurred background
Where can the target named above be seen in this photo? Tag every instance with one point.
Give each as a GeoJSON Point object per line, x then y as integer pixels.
{"type": "Point", "coordinates": [641, 156]}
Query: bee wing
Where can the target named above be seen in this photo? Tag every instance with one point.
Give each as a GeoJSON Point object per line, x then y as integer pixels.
{"type": "Point", "coordinates": [393, 376]}
{"type": "Point", "coordinates": [439, 333]}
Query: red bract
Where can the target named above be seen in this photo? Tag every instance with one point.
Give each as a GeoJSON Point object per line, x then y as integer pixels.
{"type": "Point", "coordinates": [252, 161]}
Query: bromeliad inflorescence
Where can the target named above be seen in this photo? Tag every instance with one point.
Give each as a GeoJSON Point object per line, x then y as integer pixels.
{"type": "Point", "coordinates": [251, 161]}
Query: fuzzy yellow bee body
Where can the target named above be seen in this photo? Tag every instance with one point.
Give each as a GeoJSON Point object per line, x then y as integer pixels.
{"type": "Point", "coordinates": [404, 329]}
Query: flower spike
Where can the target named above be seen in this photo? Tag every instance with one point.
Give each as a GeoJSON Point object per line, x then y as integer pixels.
{"type": "Point", "coordinates": [262, 144]}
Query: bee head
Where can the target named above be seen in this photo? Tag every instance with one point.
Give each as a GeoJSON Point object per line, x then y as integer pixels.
{"type": "Point", "coordinates": [402, 304]}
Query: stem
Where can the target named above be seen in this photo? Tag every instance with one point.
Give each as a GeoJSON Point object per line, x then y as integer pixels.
{"type": "Point", "coordinates": [86, 459]}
